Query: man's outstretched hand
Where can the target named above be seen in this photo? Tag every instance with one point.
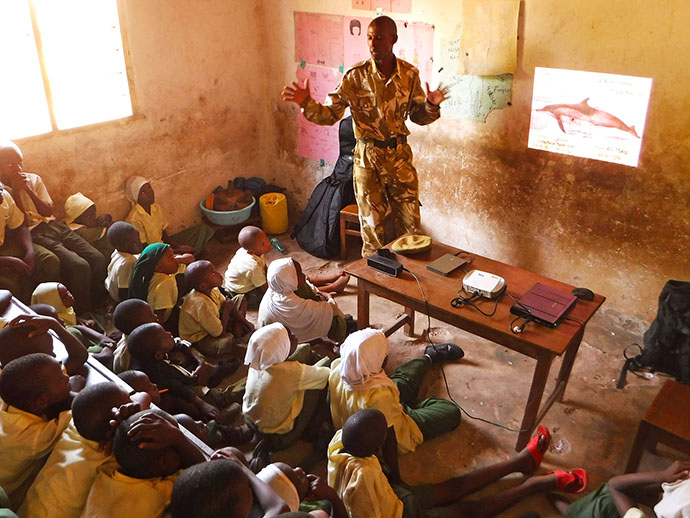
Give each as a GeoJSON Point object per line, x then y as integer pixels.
{"type": "Point", "coordinates": [437, 96]}
{"type": "Point", "coordinates": [296, 94]}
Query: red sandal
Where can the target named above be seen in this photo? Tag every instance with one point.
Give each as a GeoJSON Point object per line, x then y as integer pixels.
{"type": "Point", "coordinates": [533, 445]}
{"type": "Point", "coordinates": [573, 481]}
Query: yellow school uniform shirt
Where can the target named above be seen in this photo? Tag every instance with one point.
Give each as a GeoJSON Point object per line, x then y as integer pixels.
{"type": "Point", "coordinates": [200, 315]}
{"type": "Point", "coordinates": [10, 216]}
{"type": "Point", "coordinates": [274, 396]}
{"type": "Point", "coordinates": [345, 402]}
{"type": "Point", "coordinates": [25, 440]}
{"type": "Point", "coordinates": [114, 495]}
{"type": "Point", "coordinates": [33, 217]}
{"type": "Point", "coordinates": [62, 486]}
{"type": "Point", "coordinates": [150, 226]}
{"type": "Point", "coordinates": [119, 273]}
{"type": "Point", "coordinates": [162, 293]}
{"type": "Point", "coordinates": [361, 484]}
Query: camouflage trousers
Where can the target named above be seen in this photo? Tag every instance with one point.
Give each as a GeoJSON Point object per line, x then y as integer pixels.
{"type": "Point", "coordinates": [384, 178]}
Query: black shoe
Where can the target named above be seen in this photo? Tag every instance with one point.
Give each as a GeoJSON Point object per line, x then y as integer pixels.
{"type": "Point", "coordinates": [441, 353]}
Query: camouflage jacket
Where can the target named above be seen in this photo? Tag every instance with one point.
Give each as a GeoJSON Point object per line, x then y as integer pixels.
{"type": "Point", "coordinates": [379, 107]}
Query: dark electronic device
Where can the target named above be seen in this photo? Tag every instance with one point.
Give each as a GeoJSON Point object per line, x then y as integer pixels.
{"type": "Point", "coordinates": [583, 293]}
{"type": "Point", "coordinates": [543, 304]}
{"type": "Point", "coordinates": [384, 262]}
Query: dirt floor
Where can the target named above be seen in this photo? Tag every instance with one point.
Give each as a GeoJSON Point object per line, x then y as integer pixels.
{"type": "Point", "coordinates": [593, 428]}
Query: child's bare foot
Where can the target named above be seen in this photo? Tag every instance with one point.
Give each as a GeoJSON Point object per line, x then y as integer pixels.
{"type": "Point", "coordinates": [337, 286]}
{"type": "Point", "coordinates": [321, 280]}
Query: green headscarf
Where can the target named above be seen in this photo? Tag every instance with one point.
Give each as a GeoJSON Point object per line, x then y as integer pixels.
{"type": "Point", "coordinates": [144, 269]}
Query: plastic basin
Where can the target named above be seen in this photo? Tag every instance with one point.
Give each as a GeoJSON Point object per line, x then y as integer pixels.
{"type": "Point", "coordinates": [227, 218]}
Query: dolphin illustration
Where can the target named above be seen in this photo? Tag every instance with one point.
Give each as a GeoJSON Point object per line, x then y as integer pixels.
{"type": "Point", "coordinates": [583, 111]}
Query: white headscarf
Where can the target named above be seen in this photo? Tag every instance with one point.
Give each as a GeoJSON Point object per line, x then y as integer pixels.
{"type": "Point", "coordinates": [307, 319]}
{"type": "Point", "coordinates": [362, 355]}
{"type": "Point", "coordinates": [47, 293]}
{"type": "Point", "coordinates": [281, 484]}
{"type": "Point", "coordinates": [267, 346]}
{"type": "Point", "coordinates": [132, 187]}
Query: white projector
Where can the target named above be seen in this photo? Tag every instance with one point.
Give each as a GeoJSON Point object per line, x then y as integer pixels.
{"type": "Point", "coordinates": [485, 284]}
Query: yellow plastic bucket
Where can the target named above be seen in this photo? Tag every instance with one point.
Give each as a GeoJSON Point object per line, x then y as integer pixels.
{"type": "Point", "coordinates": [274, 213]}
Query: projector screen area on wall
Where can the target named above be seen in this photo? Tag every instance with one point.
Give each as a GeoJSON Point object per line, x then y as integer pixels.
{"type": "Point", "coordinates": [589, 114]}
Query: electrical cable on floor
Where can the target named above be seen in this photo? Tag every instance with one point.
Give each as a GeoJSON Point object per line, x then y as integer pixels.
{"type": "Point", "coordinates": [443, 372]}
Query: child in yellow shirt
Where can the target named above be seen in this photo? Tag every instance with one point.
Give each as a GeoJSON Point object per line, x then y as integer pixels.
{"type": "Point", "coordinates": [128, 315]}
{"type": "Point", "coordinates": [34, 412]}
{"type": "Point", "coordinates": [148, 217]}
{"type": "Point", "coordinates": [209, 320]}
{"type": "Point", "coordinates": [127, 246]}
{"type": "Point", "coordinates": [363, 469]}
{"type": "Point", "coordinates": [80, 216]}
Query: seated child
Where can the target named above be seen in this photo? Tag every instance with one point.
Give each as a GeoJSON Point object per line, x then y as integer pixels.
{"type": "Point", "coordinates": [150, 449]}
{"type": "Point", "coordinates": [149, 346]}
{"type": "Point", "coordinates": [223, 487]}
{"type": "Point", "coordinates": [62, 485]}
{"type": "Point", "coordinates": [88, 332]}
{"type": "Point", "coordinates": [128, 315]}
{"type": "Point", "coordinates": [282, 398]}
{"type": "Point", "coordinates": [208, 319]}
{"type": "Point", "coordinates": [82, 267]}
{"type": "Point", "coordinates": [216, 434]}
{"type": "Point", "coordinates": [148, 218]}
{"type": "Point", "coordinates": [358, 381]}
{"type": "Point", "coordinates": [28, 334]}
{"type": "Point", "coordinates": [33, 388]}
{"type": "Point", "coordinates": [80, 216]}
{"type": "Point", "coordinates": [308, 319]}
{"type": "Point", "coordinates": [153, 280]}
{"type": "Point", "coordinates": [22, 264]}
{"type": "Point", "coordinates": [667, 491]}
{"type": "Point", "coordinates": [124, 238]}
{"type": "Point", "coordinates": [363, 469]}
{"type": "Point", "coordinates": [245, 277]}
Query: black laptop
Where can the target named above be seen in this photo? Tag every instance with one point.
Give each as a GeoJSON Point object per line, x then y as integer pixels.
{"type": "Point", "coordinates": [544, 304]}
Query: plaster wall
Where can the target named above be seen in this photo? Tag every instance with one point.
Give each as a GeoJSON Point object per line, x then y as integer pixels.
{"type": "Point", "coordinates": [619, 230]}
{"type": "Point", "coordinates": [200, 112]}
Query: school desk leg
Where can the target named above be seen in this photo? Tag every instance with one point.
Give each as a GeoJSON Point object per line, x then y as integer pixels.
{"type": "Point", "coordinates": [567, 364]}
{"type": "Point", "coordinates": [536, 391]}
{"type": "Point", "coordinates": [362, 304]}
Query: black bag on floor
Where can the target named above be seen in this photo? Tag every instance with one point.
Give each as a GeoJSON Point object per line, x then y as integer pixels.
{"type": "Point", "coordinates": [667, 341]}
{"type": "Point", "coordinates": [318, 229]}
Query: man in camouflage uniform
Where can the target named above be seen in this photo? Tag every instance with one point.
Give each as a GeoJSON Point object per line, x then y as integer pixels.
{"type": "Point", "coordinates": [381, 93]}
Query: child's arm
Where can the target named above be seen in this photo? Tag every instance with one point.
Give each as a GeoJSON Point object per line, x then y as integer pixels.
{"type": "Point", "coordinates": [320, 490]}
{"type": "Point", "coordinates": [627, 489]}
{"type": "Point", "coordinates": [154, 431]}
{"type": "Point", "coordinates": [44, 208]}
{"type": "Point", "coordinates": [23, 236]}
{"type": "Point", "coordinates": [389, 451]}
{"type": "Point", "coordinates": [76, 352]}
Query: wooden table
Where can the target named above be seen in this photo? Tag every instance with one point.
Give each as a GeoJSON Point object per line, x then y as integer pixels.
{"type": "Point", "coordinates": [538, 342]}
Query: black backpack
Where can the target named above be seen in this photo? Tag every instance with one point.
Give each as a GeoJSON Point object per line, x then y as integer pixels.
{"type": "Point", "coordinates": [318, 229]}
{"type": "Point", "coordinates": [667, 341]}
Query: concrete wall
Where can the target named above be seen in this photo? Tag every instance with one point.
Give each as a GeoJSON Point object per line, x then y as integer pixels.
{"type": "Point", "coordinates": [200, 111]}
{"type": "Point", "coordinates": [618, 230]}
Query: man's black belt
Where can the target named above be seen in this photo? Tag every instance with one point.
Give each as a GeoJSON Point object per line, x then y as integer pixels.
{"type": "Point", "coordinates": [391, 142]}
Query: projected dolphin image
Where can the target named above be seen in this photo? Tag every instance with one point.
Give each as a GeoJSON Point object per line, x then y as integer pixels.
{"type": "Point", "coordinates": [583, 111]}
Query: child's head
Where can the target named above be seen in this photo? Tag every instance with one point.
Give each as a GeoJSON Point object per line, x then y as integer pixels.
{"type": "Point", "coordinates": [132, 313]}
{"type": "Point", "coordinates": [139, 190]}
{"type": "Point", "coordinates": [124, 237]}
{"type": "Point", "coordinates": [15, 342]}
{"type": "Point", "coordinates": [140, 382]}
{"type": "Point", "coordinates": [214, 489]}
{"type": "Point", "coordinates": [269, 345]}
{"type": "Point", "coordinates": [34, 383]}
{"type": "Point", "coordinates": [363, 354]}
{"type": "Point", "coordinates": [365, 432]}
{"type": "Point", "coordinates": [11, 159]}
{"type": "Point", "coordinates": [150, 342]}
{"type": "Point", "coordinates": [284, 275]}
{"type": "Point", "coordinates": [54, 293]}
{"type": "Point", "coordinates": [297, 478]}
{"type": "Point", "coordinates": [81, 210]}
{"type": "Point", "coordinates": [142, 462]}
{"type": "Point", "coordinates": [254, 240]}
{"type": "Point", "coordinates": [45, 309]}
{"type": "Point", "coordinates": [92, 409]}
{"type": "Point", "coordinates": [167, 263]}
{"type": "Point", "coordinates": [202, 276]}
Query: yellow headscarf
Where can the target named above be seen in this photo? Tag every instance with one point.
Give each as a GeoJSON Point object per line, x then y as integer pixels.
{"type": "Point", "coordinates": [47, 293]}
{"type": "Point", "coordinates": [75, 206]}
